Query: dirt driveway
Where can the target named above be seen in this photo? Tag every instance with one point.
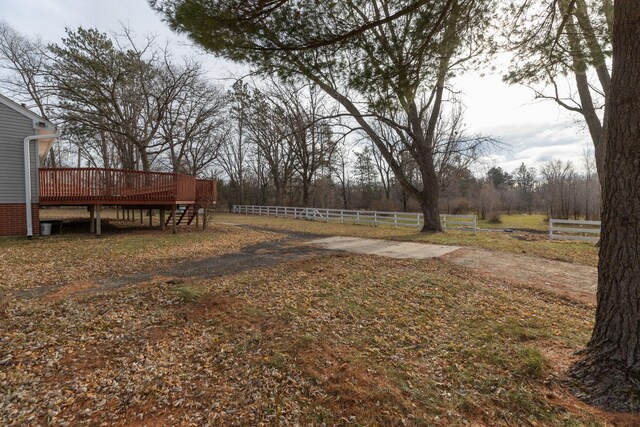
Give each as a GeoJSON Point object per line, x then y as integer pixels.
{"type": "Point", "coordinates": [574, 281]}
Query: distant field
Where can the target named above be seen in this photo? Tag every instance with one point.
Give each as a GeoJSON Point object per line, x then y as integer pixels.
{"type": "Point", "coordinates": [519, 221]}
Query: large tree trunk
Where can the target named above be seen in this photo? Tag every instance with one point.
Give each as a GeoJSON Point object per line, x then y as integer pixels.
{"type": "Point", "coordinates": [429, 200]}
{"type": "Point", "coordinates": [609, 373]}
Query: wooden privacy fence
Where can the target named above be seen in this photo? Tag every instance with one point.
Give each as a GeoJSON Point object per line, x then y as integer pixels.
{"type": "Point", "coordinates": [374, 218]}
{"type": "Point", "coordinates": [568, 229]}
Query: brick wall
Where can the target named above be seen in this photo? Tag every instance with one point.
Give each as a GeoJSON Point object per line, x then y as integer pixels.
{"type": "Point", "coordinates": [13, 220]}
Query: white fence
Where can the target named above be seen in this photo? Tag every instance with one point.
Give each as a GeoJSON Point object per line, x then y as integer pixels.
{"type": "Point", "coordinates": [374, 218]}
{"type": "Point", "coordinates": [567, 229]}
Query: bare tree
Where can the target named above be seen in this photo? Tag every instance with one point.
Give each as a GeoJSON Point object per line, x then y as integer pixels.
{"type": "Point", "coordinates": [233, 154]}
{"type": "Point", "coordinates": [313, 141]}
{"type": "Point", "coordinates": [114, 86]}
{"type": "Point", "coordinates": [558, 183]}
{"type": "Point", "coordinates": [194, 127]}
{"type": "Point", "coordinates": [24, 61]}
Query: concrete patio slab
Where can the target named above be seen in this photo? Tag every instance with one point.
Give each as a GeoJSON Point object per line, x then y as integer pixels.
{"type": "Point", "coordinates": [386, 248]}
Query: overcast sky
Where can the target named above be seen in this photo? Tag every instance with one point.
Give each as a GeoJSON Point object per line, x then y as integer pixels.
{"type": "Point", "coordinates": [533, 131]}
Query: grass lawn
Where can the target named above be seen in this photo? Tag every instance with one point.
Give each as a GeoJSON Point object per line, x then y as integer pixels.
{"type": "Point", "coordinates": [516, 242]}
{"type": "Point", "coordinates": [62, 259]}
{"type": "Point", "coordinates": [347, 339]}
{"type": "Point", "coordinates": [330, 340]}
{"type": "Point", "coordinates": [519, 221]}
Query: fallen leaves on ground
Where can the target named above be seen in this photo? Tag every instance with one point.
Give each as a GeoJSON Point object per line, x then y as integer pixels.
{"type": "Point", "coordinates": [62, 259]}
{"type": "Point", "coordinates": [337, 340]}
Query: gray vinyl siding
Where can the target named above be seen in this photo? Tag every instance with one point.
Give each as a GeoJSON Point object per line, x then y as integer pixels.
{"type": "Point", "coordinates": [14, 127]}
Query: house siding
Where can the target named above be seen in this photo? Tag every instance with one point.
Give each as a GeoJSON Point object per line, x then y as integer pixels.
{"type": "Point", "coordinates": [14, 127]}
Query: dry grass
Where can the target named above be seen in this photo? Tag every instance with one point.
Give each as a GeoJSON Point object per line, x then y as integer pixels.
{"type": "Point", "coordinates": [67, 258]}
{"type": "Point", "coordinates": [536, 244]}
{"type": "Point", "coordinates": [518, 221]}
{"type": "Point", "coordinates": [332, 341]}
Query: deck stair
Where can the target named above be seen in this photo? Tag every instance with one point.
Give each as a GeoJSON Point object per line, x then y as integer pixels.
{"type": "Point", "coordinates": [185, 215]}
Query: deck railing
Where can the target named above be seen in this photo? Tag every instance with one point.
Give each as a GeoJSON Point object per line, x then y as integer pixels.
{"type": "Point", "coordinates": [106, 186]}
{"type": "Point", "coordinates": [206, 192]}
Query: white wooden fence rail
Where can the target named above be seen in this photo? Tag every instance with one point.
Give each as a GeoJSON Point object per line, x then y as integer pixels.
{"type": "Point", "coordinates": [374, 218]}
{"type": "Point", "coordinates": [567, 229]}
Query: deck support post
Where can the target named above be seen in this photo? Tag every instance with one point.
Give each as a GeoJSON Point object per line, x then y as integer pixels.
{"type": "Point", "coordinates": [150, 217]}
{"type": "Point", "coordinates": [98, 220]}
{"type": "Point", "coordinates": [197, 217]}
{"type": "Point", "coordinates": [162, 219]}
{"type": "Point", "coordinates": [92, 222]}
{"type": "Point", "coordinates": [173, 218]}
{"type": "Point", "coordinates": [204, 218]}
{"type": "Point", "coordinates": [141, 217]}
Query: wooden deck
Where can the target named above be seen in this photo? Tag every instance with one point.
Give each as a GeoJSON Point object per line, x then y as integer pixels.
{"type": "Point", "coordinates": [112, 187]}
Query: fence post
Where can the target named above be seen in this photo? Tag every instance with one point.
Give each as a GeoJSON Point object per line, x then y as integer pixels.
{"type": "Point", "coordinates": [358, 217]}
{"type": "Point", "coordinates": [341, 217]}
{"type": "Point", "coordinates": [326, 219]}
{"type": "Point", "coordinates": [444, 223]}
{"type": "Point", "coordinates": [475, 226]}
{"type": "Point", "coordinates": [550, 229]}
{"type": "Point", "coordinates": [395, 220]}
{"type": "Point", "coordinates": [375, 219]}
{"type": "Point", "coordinates": [418, 221]}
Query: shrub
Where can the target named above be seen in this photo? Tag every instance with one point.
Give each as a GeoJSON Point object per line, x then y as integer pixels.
{"type": "Point", "coordinates": [533, 362]}
{"type": "Point", "coordinates": [460, 206]}
{"type": "Point", "coordinates": [386, 205]}
{"type": "Point", "coordinates": [188, 294]}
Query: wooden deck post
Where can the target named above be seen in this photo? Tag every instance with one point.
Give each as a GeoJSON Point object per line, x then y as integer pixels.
{"type": "Point", "coordinates": [92, 223]}
{"type": "Point", "coordinates": [197, 218]}
{"type": "Point", "coordinates": [150, 217]}
{"type": "Point", "coordinates": [141, 217]}
{"type": "Point", "coordinates": [173, 217]}
{"type": "Point", "coordinates": [98, 220]}
{"type": "Point", "coordinates": [205, 216]}
{"type": "Point", "coordinates": [162, 219]}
